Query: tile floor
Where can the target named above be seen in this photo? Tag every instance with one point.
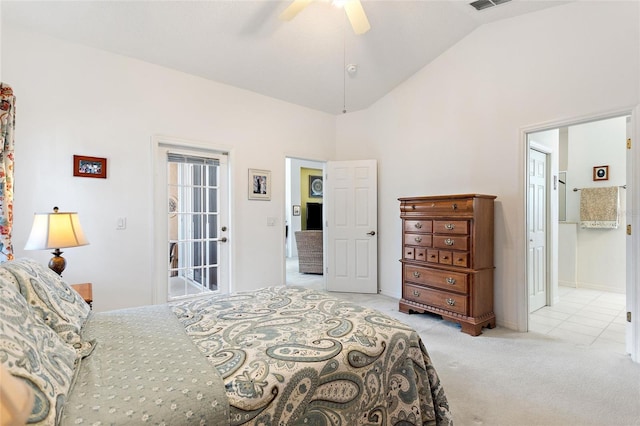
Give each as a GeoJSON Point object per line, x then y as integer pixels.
{"type": "Point", "coordinates": [584, 317]}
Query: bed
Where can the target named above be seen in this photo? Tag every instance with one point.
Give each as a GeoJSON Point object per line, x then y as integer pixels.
{"type": "Point", "coordinates": [275, 356]}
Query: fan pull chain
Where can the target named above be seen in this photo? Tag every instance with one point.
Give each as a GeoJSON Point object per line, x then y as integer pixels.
{"type": "Point", "coordinates": [344, 68]}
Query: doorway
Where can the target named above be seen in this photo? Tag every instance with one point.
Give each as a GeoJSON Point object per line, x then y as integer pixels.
{"type": "Point", "coordinates": [586, 267]}
{"type": "Point", "coordinates": [191, 220]}
{"type": "Point", "coordinates": [304, 212]}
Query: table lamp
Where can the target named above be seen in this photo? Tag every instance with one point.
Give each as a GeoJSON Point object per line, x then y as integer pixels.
{"type": "Point", "coordinates": [55, 231]}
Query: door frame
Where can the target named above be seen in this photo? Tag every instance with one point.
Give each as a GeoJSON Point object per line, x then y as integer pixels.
{"type": "Point", "coordinates": [633, 249]}
{"type": "Point", "coordinates": [551, 219]}
{"type": "Point", "coordinates": [288, 205]}
{"type": "Point", "coordinates": [159, 219]}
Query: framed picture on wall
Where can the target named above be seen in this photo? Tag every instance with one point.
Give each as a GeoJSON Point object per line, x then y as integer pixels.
{"type": "Point", "coordinates": [259, 184]}
{"type": "Point", "coordinates": [601, 173]}
{"type": "Point", "coordinates": [93, 167]}
{"type": "Point", "coordinates": [315, 186]}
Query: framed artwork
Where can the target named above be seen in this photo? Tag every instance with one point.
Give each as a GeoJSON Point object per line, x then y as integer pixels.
{"type": "Point", "coordinates": [601, 173]}
{"type": "Point", "coordinates": [296, 210]}
{"type": "Point", "coordinates": [173, 206]}
{"type": "Point", "coordinates": [315, 186]}
{"type": "Point", "coordinates": [259, 184]}
{"type": "Point", "coordinates": [93, 167]}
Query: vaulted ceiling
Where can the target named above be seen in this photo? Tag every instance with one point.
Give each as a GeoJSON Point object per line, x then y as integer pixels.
{"type": "Point", "coordinates": [244, 43]}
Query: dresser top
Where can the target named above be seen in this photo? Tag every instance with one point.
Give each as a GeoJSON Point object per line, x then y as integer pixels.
{"type": "Point", "coordinates": [448, 197]}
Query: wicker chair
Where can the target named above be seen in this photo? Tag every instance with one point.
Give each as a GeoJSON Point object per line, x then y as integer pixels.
{"type": "Point", "coordinates": [309, 244]}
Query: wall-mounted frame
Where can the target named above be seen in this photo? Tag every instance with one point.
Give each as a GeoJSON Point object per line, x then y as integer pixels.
{"type": "Point", "coordinates": [296, 210]}
{"type": "Point", "coordinates": [173, 206]}
{"type": "Point", "coordinates": [93, 167]}
{"type": "Point", "coordinates": [315, 186]}
{"type": "Point", "coordinates": [601, 173]}
{"type": "Point", "coordinates": [259, 184]}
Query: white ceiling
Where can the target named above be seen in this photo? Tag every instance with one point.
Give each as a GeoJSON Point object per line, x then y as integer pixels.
{"type": "Point", "coordinates": [244, 44]}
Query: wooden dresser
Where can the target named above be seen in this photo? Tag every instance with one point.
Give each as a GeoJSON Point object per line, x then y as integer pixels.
{"type": "Point", "coordinates": [447, 262]}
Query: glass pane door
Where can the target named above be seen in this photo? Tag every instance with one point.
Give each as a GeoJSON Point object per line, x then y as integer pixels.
{"type": "Point", "coordinates": [193, 222]}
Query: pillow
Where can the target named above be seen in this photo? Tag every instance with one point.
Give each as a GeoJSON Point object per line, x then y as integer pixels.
{"type": "Point", "coordinates": [32, 351]}
{"type": "Point", "coordinates": [51, 298]}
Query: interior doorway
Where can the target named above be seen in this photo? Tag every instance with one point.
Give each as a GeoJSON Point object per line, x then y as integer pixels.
{"type": "Point", "coordinates": [304, 212]}
{"type": "Point", "coordinates": [586, 267]}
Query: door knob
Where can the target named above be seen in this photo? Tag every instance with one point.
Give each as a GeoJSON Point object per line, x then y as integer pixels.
{"type": "Point", "coordinates": [223, 240]}
{"type": "Point", "coordinates": [371, 233]}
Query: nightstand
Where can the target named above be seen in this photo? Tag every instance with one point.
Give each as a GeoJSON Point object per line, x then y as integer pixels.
{"type": "Point", "coordinates": [86, 291]}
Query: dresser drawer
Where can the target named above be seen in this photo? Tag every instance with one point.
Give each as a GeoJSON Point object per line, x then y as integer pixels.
{"type": "Point", "coordinates": [445, 257]}
{"type": "Point", "coordinates": [461, 258]}
{"type": "Point", "coordinates": [458, 227]}
{"type": "Point", "coordinates": [452, 242]}
{"type": "Point", "coordinates": [418, 226]}
{"type": "Point", "coordinates": [409, 253]}
{"type": "Point", "coordinates": [448, 280]}
{"type": "Point", "coordinates": [453, 207]}
{"type": "Point", "coordinates": [422, 240]}
{"type": "Point", "coordinates": [440, 299]}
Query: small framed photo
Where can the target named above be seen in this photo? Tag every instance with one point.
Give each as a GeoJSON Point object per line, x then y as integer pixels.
{"type": "Point", "coordinates": [93, 167]}
{"type": "Point", "coordinates": [601, 173]}
{"type": "Point", "coordinates": [259, 184]}
{"type": "Point", "coordinates": [296, 210]}
{"type": "Point", "coordinates": [315, 186]}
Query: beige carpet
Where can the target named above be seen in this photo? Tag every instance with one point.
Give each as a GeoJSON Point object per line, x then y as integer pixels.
{"type": "Point", "coordinates": [505, 378]}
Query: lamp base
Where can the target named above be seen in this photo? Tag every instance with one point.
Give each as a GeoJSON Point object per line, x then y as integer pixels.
{"type": "Point", "coordinates": [57, 262]}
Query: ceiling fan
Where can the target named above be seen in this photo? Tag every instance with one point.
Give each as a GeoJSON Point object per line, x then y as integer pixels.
{"type": "Point", "coordinates": [353, 8]}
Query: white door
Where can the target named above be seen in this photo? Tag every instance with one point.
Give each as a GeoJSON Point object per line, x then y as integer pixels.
{"type": "Point", "coordinates": [351, 204]}
{"type": "Point", "coordinates": [191, 221]}
{"type": "Point", "coordinates": [537, 228]}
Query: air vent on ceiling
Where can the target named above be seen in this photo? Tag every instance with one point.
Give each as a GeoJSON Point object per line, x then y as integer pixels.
{"type": "Point", "coordinates": [484, 4]}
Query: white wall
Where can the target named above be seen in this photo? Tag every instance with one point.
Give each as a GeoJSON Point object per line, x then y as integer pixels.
{"type": "Point", "coordinates": [601, 253]}
{"type": "Point", "coordinates": [457, 125]}
{"type": "Point", "coordinates": [77, 100]}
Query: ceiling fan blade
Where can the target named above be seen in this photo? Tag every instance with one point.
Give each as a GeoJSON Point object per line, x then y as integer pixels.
{"type": "Point", "coordinates": [357, 17]}
{"type": "Point", "coordinates": [294, 8]}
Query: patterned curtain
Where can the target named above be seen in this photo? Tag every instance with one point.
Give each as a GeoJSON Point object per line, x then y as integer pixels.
{"type": "Point", "coordinates": [7, 126]}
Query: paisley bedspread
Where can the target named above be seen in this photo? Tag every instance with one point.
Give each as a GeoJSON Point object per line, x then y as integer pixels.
{"type": "Point", "coordinates": [290, 356]}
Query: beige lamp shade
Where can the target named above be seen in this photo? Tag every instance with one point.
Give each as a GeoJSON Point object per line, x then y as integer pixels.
{"type": "Point", "coordinates": [16, 399]}
{"type": "Point", "coordinates": [55, 231]}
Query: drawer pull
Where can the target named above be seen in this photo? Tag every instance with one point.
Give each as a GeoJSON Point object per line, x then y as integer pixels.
{"type": "Point", "coordinates": [451, 281]}
{"type": "Point", "coordinates": [409, 253]}
{"type": "Point", "coordinates": [449, 241]}
{"type": "Point", "coordinates": [445, 257]}
{"type": "Point", "coordinates": [449, 226]}
{"type": "Point", "coordinates": [451, 302]}
{"type": "Point", "coordinates": [454, 206]}
{"type": "Point", "coordinates": [418, 239]}
{"type": "Point", "coordinates": [416, 293]}
{"type": "Point", "coordinates": [418, 225]}
{"type": "Point", "coordinates": [416, 274]}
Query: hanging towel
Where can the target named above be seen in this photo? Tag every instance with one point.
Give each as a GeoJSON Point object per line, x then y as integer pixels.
{"type": "Point", "coordinates": [599, 207]}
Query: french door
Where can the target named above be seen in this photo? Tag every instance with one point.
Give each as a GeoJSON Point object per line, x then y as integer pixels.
{"type": "Point", "coordinates": [192, 254]}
